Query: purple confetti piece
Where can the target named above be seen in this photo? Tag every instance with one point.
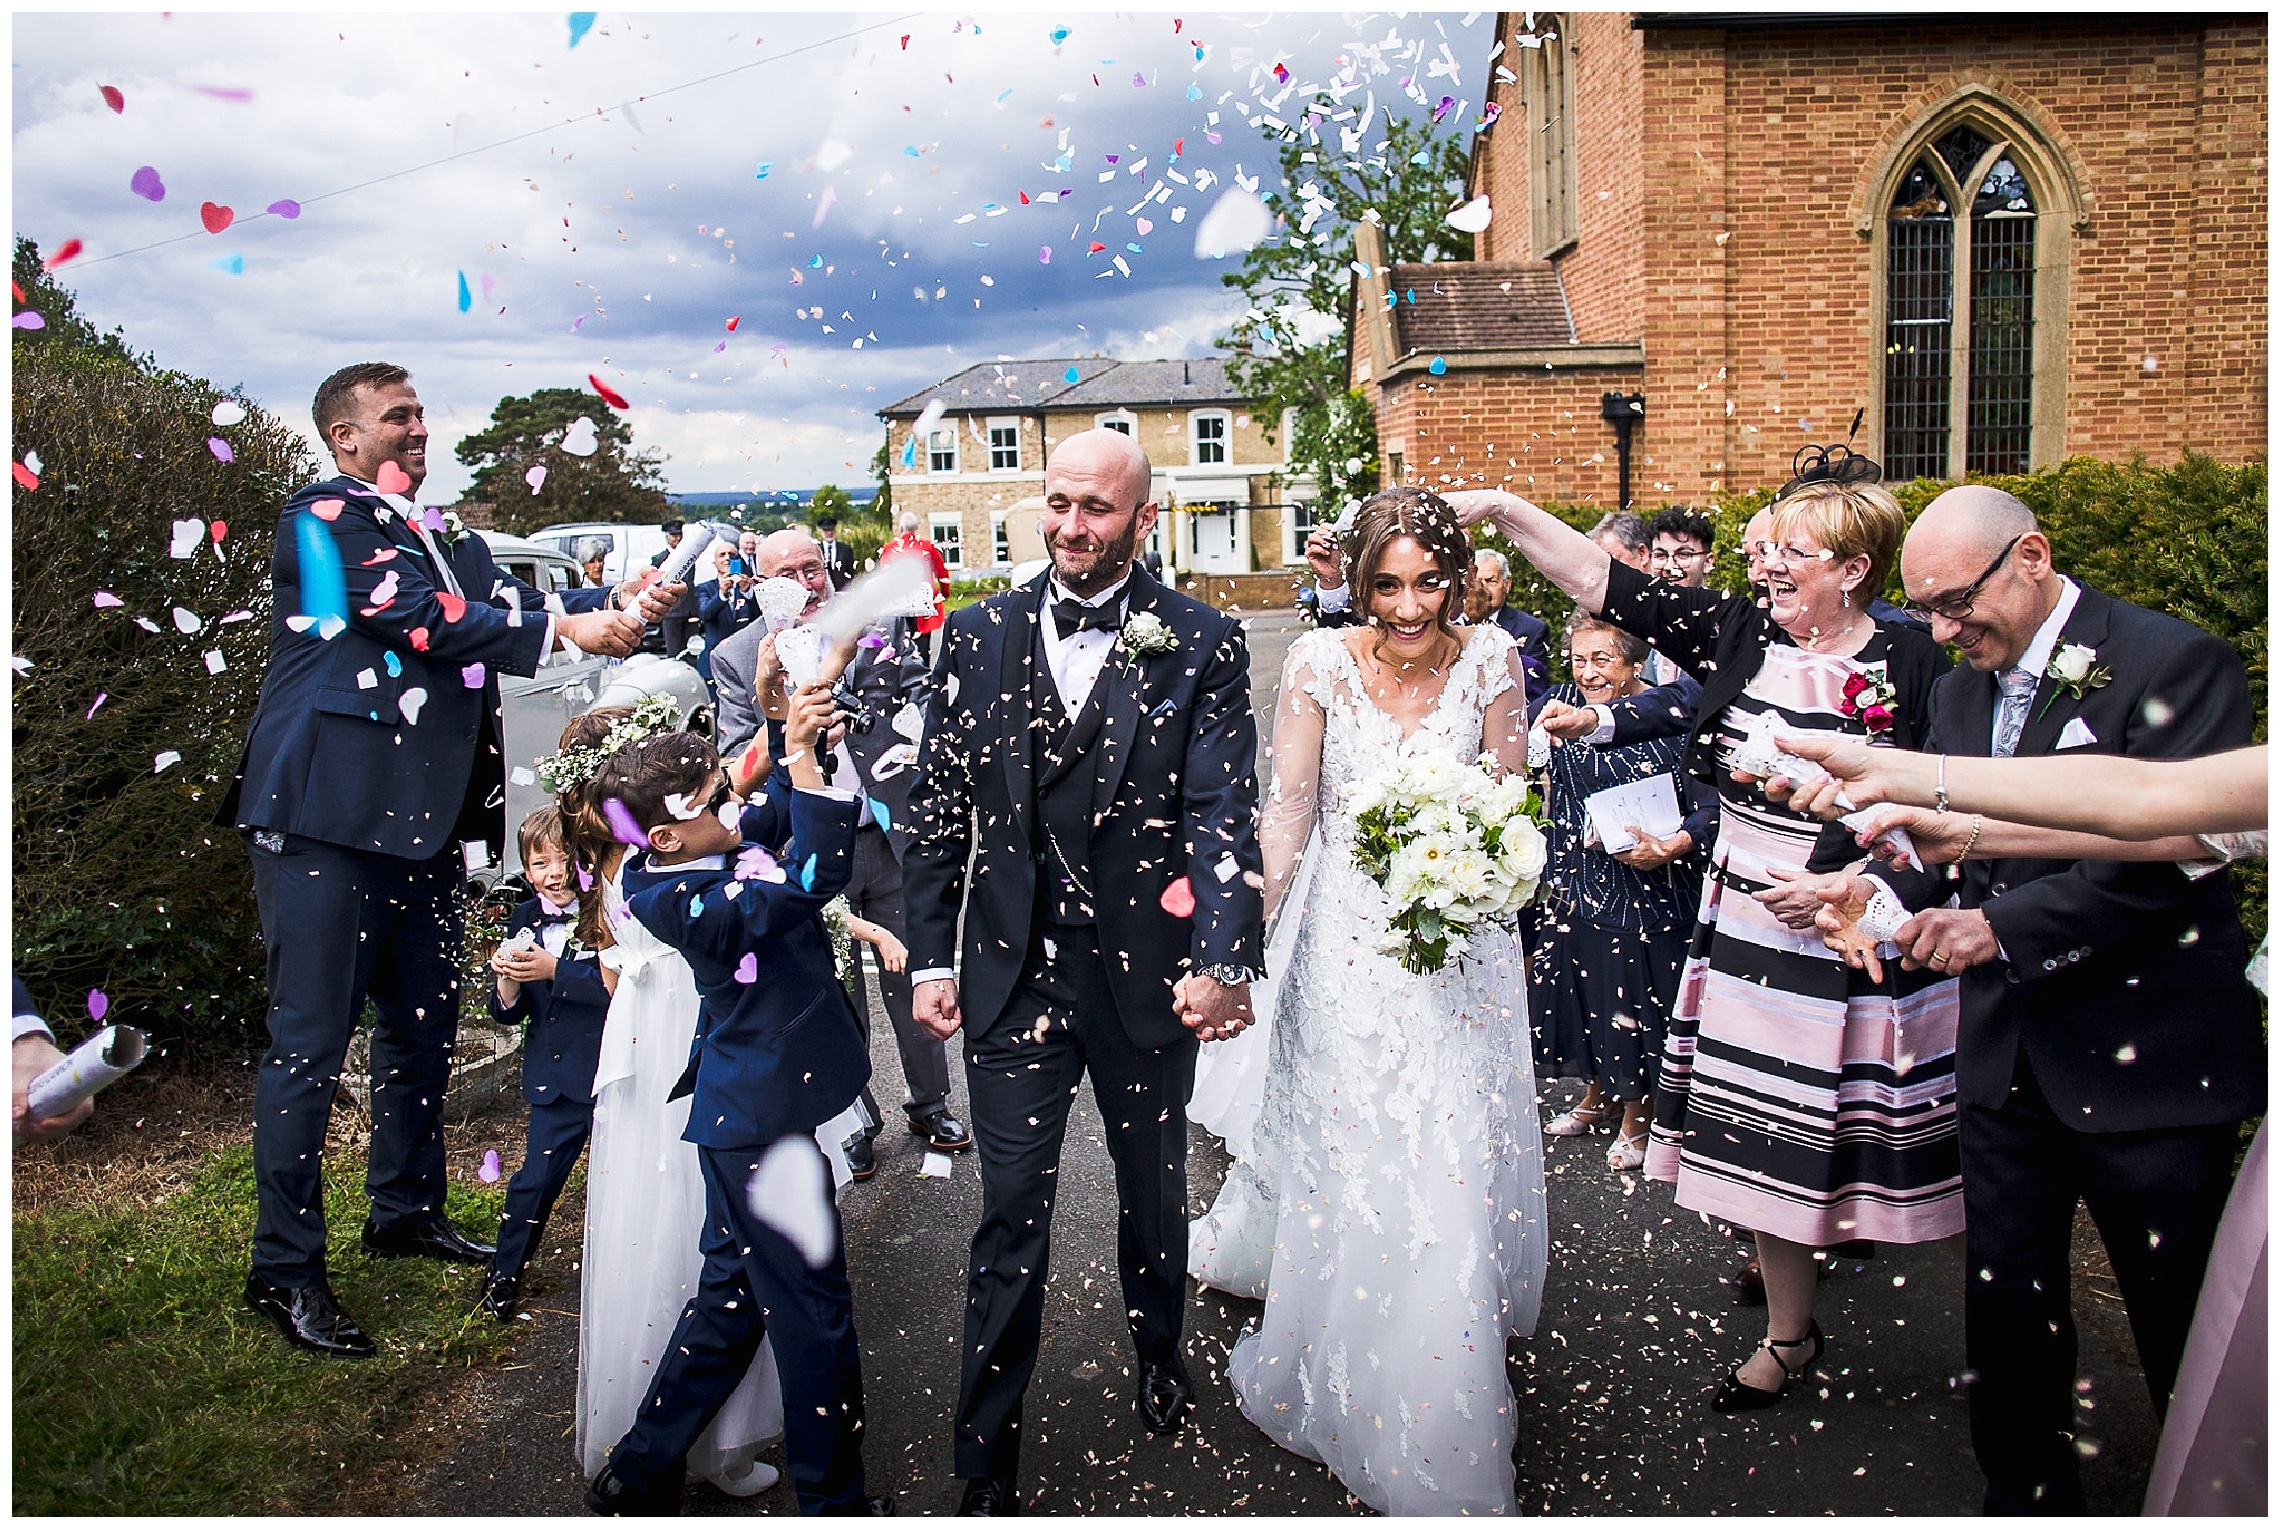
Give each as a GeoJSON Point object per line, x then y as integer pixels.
{"type": "Point", "coordinates": [717, 349]}
{"type": "Point", "coordinates": [284, 207]}
{"type": "Point", "coordinates": [489, 1172]}
{"type": "Point", "coordinates": [224, 92]}
{"type": "Point", "coordinates": [622, 824]}
{"type": "Point", "coordinates": [100, 697]}
{"type": "Point", "coordinates": [220, 448]}
{"type": "Point", "coordinates": [756, 864]}
{"type": "Point", "coordinates": [98, 1004]}
{"type": "Point", "coordinates": [472, 675]}
{"type": "Point", "coordinates": [748, 969]}
{"type": "Point", "coordinates": [1044, 254]}
{"type": "Point", "coordinates": [105, 600]}
{"type": "Point", "coordinates": [147, 185]}
{"type": "Point", "coordinates": [27, 320]}
{"type": "Point", "coordinates": [585, 880]}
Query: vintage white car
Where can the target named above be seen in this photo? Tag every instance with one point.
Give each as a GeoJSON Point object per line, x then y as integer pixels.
{"type": "Point", "coordinates": [535, 710]}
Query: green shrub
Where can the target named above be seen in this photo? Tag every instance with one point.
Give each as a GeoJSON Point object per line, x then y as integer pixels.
{"type": "Point", "coordinates": [121, 881]}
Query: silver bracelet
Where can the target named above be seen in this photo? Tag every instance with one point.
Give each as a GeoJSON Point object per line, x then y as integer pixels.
{"type": "Point", "coordinates": [1939, 793]}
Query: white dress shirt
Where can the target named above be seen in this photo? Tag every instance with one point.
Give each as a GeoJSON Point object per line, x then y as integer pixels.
{"type": "Point", "coordinates": [2036, 660]}
{"type": "Point", "coordinates": [1076, 661]}
{"type": "Point", "coordinates": [555, 649]}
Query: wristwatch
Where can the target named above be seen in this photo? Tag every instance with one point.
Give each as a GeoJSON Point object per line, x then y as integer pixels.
{"type": "Point", "coordinates": [1232, 976]}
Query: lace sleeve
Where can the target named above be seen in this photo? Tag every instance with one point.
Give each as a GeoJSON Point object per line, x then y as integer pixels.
{"type": "Point", "coordinates": [1504, 720]}
{"type": "Point", "coordinates": [1289, 813]}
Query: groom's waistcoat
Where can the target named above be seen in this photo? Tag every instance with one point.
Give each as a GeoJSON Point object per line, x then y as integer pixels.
{"type": "Point", "coordinates": [1059, 747]}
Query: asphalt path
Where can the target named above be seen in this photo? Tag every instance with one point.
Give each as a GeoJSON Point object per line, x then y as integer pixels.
{"type": "Point", "coordinates": [1612, 1389]}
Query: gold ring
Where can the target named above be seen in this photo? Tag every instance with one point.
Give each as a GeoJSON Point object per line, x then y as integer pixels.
{"type": "Point", "coordinates": [1939, 958]}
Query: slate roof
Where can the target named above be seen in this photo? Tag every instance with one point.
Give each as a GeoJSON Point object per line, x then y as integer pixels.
{"type": "Point", "coordinates": [1154, 384]}
{"type": "Point", "coordinates": [1464, 305]}
{"type": "Point", "coordinates": [1001, 385]}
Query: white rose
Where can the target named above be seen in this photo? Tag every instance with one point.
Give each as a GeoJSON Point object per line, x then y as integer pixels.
{"type": "Point", "coordinates": [1524, 850]}
{"type": "Point", "coordinates": [2072, 663]}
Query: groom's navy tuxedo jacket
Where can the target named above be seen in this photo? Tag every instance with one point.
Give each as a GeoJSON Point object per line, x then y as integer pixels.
{"type": "Point", "coordinates": [777, 1049]}
{"type": "Point", "coordinates": [385, 736]}
{"type": "Point", "coordinates": [1173, 796]}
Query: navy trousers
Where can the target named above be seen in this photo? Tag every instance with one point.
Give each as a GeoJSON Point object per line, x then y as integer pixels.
{"type": "Point", "coordinates": [558, 1132]}
{"type": "Point", "coordinates": [1022, 1075]}
{"type": "Point", "coordinates": [2156, 1197]}
{"type": "Point", "coordinates": [341, 926]}
{"type": "Point", "coordinates": [756, 1285]}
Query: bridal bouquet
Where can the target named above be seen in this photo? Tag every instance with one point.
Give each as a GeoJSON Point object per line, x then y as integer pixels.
{"type": "Point", "coordinates": [1453, 846]}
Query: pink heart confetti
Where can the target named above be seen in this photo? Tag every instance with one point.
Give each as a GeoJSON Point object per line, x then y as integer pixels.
{"type": "Point", "coordinates": [1178, 899]}
{"type": "Point", "coordinates": [748, 969]}
{"type": "Point", "coordinates": [220, 528]}
{"type": "Point", "coordinates": [328, 509]}
{"type": "Point", "coordinates": [393, 479]}
{"type": "Point", "coordinates": [536, 477]}
{"type": "Point", "coordinates": [489, 1172]}
{"type": "Point", "coordinates": [215, 216]}
{"type": "Point", "coordinates": [147, 184]}
{"type": "Point", "coordinates": [1143, 227]}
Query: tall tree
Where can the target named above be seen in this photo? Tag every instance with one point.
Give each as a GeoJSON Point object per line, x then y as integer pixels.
{"type": "Point", "coordinates": [612, 482]}
{"type": "Point", "coordinates": [1286, 353]}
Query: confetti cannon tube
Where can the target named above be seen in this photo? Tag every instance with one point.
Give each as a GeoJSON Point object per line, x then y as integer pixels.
{"type": "Point", "coordinates": [102, 1060]}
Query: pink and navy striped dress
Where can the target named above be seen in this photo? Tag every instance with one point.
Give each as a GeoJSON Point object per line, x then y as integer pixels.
{"type": "Point", "coordinates": [1796, 1096]}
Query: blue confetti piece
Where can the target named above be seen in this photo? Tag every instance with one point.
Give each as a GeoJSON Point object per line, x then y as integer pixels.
{"type": "Point", "coordinates": [1194, 91]}
{"type": "Point", "coordinates": [466, 298]}
{"type": "Point", "coordinates": [911, 149]}
{"type": "Point", "coordinates": [395, 665]}
{"type": "Point", "coordinates": [581, 22]}
{"type": "Point", "coordinates": [807, 875]}
{"type": "Point", "coordinates": [1004, 96]}
{"type": "Point", "coordinates": [1070, 375]}
{"type": "Point", "coordinates": [324, 585]}
{"type": "Point", "coordinates": [881, 816]}
{"type": "Point", "coordinates": [233, 264]}
{"type": "Point", "coordinates": [1439, 368]}
{"type": "Point", "coordinates": [1059, 35]}
{"type": "Point", "coordinates": [816, 264]}
{"type": "Point", "coordinates": [765, 166]}
{"type": "Point", "coordinates": [910, 451]}
{"type": "Point", "coordinates": [697, 906]}
{"type": "Point", "coordinates": [1135, 248]}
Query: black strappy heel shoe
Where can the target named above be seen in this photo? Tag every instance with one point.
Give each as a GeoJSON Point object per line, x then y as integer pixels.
{"type": "Point", "coordinates": [1736, 1395]}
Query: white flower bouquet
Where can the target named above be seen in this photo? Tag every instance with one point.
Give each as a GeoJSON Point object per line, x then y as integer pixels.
{"type": "Point", "coordinates": [1453, 846]}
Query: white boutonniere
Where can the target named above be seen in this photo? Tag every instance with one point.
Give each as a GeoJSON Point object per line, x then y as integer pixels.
{"type": "Point", "coordinates": [2077, 670]}
{"type": "Point", "coordinates": [445, 525]}
{"type": "Point", "coordinates": [1144, 633]}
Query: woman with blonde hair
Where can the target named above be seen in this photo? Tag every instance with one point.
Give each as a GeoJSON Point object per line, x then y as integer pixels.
{"type": "Point", "coordinates": [1797, 1097]}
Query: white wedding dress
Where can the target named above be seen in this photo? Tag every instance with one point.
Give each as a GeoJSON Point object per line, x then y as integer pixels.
{"type": "Point", "coordinates": [1395, 1147]}
{"type": "Point", "coordinates": [645, 1208]}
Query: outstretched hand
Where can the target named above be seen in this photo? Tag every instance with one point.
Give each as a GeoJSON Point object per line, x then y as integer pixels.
{"type": "Point", "coordinates": [1839, 923]}
{"type": "Point", "coordinates": [1562, 721]}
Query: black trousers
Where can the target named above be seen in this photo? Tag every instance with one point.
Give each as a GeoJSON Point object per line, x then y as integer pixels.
{"type": "Point", "coordinates": [558, 1132]}
{"type": "Point", "coordinates": [2156, 1197]}
{"type": "Point", "coordinates": [341, 926]}
{"type": "Point", "coordinates": [755, 1285]}
{"type": "Point", "coordinates": [876, 893]}
{"type": "Point", "coordinates": [1022, 1075]}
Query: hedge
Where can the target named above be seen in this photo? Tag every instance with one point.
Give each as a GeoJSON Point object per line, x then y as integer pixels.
{"type": "Point", "coordinates": [121, 882]}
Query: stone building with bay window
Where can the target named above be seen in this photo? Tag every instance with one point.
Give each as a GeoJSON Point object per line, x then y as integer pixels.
{"type": "Point", "coordinates": [2001, 240]}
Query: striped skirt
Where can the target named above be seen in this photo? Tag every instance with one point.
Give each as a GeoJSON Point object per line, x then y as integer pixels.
{"type": "Point", "coordinates": [1796, 1096]}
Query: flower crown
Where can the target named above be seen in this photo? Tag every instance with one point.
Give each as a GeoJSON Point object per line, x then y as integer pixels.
{"type": "Point", "coordinates": [653, 717]}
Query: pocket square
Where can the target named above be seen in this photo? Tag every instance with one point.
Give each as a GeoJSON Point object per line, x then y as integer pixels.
{"type": "Point", "coordinates": [2075, 734]}
{"type": "Point", "coordinates": [1163, 709]}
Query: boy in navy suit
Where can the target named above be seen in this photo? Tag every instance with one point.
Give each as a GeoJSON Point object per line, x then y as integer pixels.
{"type": "Point", "coordinates": [546, 980]}
{"type": "Point", "coordinates": [773, 1058]}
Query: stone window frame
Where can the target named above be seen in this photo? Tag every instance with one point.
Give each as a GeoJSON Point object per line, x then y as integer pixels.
{"type": "Point", "coordinates": [1547, 104]}
{"type": "Point", "coordinates": [1000, 551]}
{"type": "Point", "coordinates": [1225, 442]}
{"type": "Point", "coordinates": [952, 548]}
{"type": "Point", "coordinates": [942, 440]}
{"type": "Point", "coordinates": [991, 427]}
{"type": "Point", "coordinates": [1123, 421]}
{"type": "Point", "coordinates": [2022, 132]}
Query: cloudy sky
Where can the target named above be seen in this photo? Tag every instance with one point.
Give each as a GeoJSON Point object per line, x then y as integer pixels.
{"type": "Point", "coordinates": [849, 187]}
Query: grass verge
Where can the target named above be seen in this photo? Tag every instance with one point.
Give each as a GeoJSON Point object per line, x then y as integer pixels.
{"type": "Point", "coordinates": [145, 1385]}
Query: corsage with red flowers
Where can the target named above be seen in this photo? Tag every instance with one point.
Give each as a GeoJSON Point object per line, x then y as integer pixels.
{"type": "Point", "coordinates": [1868, 700]}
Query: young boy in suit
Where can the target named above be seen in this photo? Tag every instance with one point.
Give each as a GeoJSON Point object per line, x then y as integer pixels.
{"type": "Point", "coordinates": [775, 1056]}
{"type": "Point", "coordinates": [545, 979]}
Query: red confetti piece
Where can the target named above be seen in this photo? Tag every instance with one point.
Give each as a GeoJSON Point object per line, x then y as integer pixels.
{"type": "Point", "coordinates": [906, 42]}
{"type": "Point", "coordinates": [1024, 198]}
{"type": "Point", "coordinates": [732, 323]}
{"type": "Point", "coordinates": [24, 475]}
{"type": "Point", "coordinates": [1095, 247]}
{"type": "Point", "coordinates": [328, 509]}
{"type": "Point", "coordinates": [454, 606]}
{"type": "Point", "coordinates": [113, 98]}
{"type": "Point", "coordinates": [215, 216]}
{"type": "Point", "coordinates": [71, 247]}
{"type": "Point", "coordinates": [220, 528]}
{"type": "Point", "coordinates": [419, 639]}
{"type": "Point", "coordinates": [1175, 26]}
{"type": "Point", "coordinates": [1178, 899]}
{"type": "Point", "coordinates": [393, 479]}
{"type": "Point", "coordinates": [17, 289]}
{"type": "Point", "coordinates": [609, 395]}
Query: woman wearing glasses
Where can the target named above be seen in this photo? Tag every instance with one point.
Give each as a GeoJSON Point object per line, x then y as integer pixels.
{"type": "Point", "coordinates": [1797, 1097]}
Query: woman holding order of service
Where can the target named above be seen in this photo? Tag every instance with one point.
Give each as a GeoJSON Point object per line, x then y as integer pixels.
{"type": "Point", "coordinates": [1797, 1097]}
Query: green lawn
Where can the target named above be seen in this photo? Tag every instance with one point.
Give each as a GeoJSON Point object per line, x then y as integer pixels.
{"type": "Point", "coordinates": [145, 1385]}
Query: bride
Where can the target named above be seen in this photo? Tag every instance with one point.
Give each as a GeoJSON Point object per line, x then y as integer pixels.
{"type": "Point", "coordinates": [1396, 1150]}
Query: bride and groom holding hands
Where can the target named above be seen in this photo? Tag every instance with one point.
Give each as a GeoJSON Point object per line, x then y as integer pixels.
{"type": "Point", "coordinates": [1086, 797]}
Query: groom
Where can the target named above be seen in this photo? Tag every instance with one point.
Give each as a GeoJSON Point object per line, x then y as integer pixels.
{"type": "Point", "coordinates": [1095, 728]}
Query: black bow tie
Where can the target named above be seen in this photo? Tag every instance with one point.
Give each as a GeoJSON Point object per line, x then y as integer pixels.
{"type": "Point", "coordinates": [1073, 616]}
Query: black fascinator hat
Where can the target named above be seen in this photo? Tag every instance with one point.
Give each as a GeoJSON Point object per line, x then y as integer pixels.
{"type": "Point", "coordinates": [1838, 464]}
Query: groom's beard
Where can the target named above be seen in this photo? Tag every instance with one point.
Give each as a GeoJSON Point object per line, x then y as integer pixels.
{"type": "Point", "coordinates": [1108, 561]}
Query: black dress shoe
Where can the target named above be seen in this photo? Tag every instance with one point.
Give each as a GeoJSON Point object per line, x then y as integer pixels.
{"type": "Point", "coordinates": [309, 1318]}
{"type": "Point", "coordinates": [862, 1160]}
{"type": "Point", "coordinates": [429, 1239]}
{"type": "Point", "coordinates": [989, 1497]}
{"type": "Point", "coordinates": [943, 1131]}
{"type": "Point", "coordinates": [610, 1497]}
{"type": "Point", "coordinates": [1165, 1397]}
{"type": "Point", "coordinates": [499, 1296]}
